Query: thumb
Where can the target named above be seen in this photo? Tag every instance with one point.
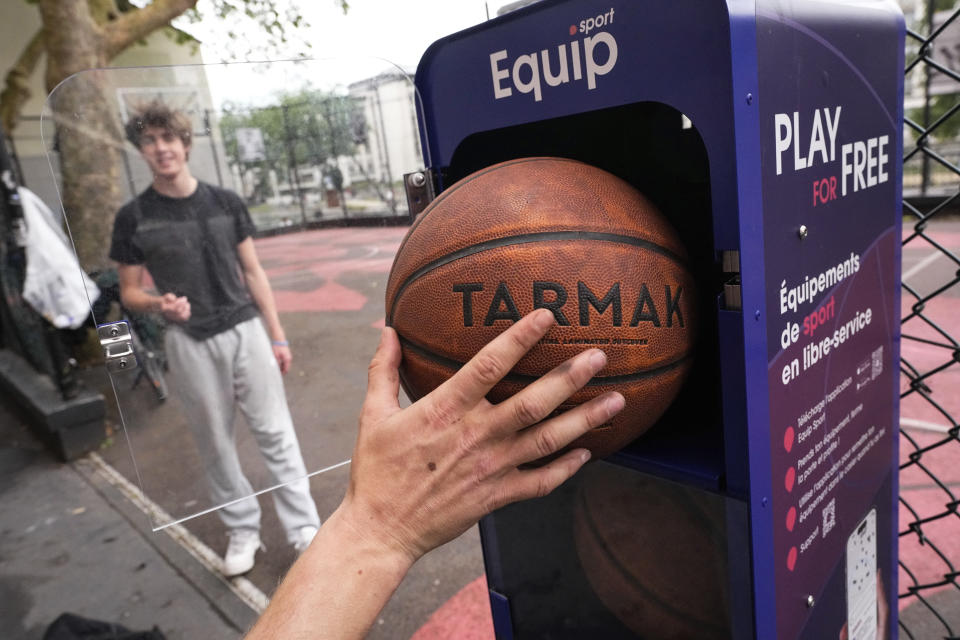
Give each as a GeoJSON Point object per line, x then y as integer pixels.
{"type": "Point", "coordinates": [383, 378]}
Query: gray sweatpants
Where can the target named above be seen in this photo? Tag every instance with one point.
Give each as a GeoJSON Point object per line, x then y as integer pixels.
{"type": "Point", "coordinates": [236, 368]}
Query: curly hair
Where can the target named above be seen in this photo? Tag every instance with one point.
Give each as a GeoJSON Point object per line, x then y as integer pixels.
{"type": "Point", "coordinates": [157, 114]}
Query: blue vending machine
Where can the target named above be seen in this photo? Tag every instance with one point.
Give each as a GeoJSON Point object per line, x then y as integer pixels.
{"type": "Point", "coordinates": [763, 503]}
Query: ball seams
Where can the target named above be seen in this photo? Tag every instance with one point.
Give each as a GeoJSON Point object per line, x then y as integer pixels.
{"type": "Point", "coordinates": [446, 193]}
{"type": "Point", "coordinates": [522, 378]}
{"type": "Point", "coordinates": [532, 225]}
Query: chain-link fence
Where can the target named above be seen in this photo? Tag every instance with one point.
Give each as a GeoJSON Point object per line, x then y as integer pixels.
{"type": "Point", "coordinates": [930, 385]}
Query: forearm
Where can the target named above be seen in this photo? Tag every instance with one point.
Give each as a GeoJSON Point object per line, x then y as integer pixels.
{"type": "Point", "coordinates": [262, 294]}
{"type": "Point", "coordinates": [422, 475]}
{"type": "Point", "coordinates": [136, 299]}
{"type": "Point", "coordinates": [337, 587]}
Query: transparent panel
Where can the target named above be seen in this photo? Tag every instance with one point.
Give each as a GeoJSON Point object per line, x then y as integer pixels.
{"type": "Point", "coordinates": [615, 553]}
{"type": "Point", "coordinates": [177, 185]}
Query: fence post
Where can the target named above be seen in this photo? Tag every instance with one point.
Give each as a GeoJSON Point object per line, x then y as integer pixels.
{"type": "Point", "coordinates": [292, 162]}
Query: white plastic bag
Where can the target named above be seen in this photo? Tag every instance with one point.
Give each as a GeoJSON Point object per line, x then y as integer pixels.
{"type": "Point", "coordinates": [55, 284]}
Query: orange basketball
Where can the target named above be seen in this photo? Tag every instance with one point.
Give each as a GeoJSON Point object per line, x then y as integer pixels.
{"type": "Point", "coordinates": [554, 233]}
{"type": "Point", "coordinates": [655, 554]}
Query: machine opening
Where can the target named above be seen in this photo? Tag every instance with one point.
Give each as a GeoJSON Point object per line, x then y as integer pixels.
{"type": "Point", "coordinates": [658, 150]}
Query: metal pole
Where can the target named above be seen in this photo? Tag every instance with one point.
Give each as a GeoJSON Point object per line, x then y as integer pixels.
{"type": "Point", "coordinates": [213, 145]}
{"type": "Point", "coordinates": [333, 128]}
{"type": "Point", "coordinates": [924, 138]}
{"type": "Point", "coordinates": [129, 171]}
{"type": "Point", "coordinates": [240, 171]}
{"type": "Point", "coordinates": [21, 329]}
{"type": "Point", "coordinates": [292, 163]}
{"type": "Point", "coordinates": [386, 150]}
{"type": "Point", "coordinates": [15, 158]}
{"type": "Point", "coordinates": [11, 242]}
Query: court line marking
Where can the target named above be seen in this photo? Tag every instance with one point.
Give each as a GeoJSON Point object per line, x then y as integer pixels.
{"type": "Point", "coordinates": [923, 264]}
{"type": "Point", "coordinates": [923, 425]}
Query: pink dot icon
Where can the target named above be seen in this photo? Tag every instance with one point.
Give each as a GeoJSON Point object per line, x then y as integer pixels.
{"type": "Point", "coordinates": [792, 558]}
{"type": "Point", "coordinates": [791, 518]}
{"type": "Point", "coordinates": [573, 29]}
{"type": "Point", "coordinates": [789, 479]}
{"type": "Point", "coordinates": [788, 439]}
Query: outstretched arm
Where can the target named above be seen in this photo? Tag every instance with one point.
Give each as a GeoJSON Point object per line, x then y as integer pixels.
{"type": "Point", "coordinates": [423, 475]}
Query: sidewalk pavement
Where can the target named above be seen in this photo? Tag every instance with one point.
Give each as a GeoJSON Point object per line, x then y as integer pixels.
{"type": "Point", "coordinates": [71, 541]}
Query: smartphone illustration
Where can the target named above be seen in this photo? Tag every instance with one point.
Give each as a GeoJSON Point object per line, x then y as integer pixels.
{"type": "Point", "coordinates": [862, 579]}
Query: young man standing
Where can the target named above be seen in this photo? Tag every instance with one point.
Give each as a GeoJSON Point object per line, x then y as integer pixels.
{"type": "Point", "coordinates": [195, 240]}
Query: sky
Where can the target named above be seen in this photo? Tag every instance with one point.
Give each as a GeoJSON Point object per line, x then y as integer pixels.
{"type": "Point", "coordinates": [347, 47]}
{"type": "Point", "coordinates": [399, 30]}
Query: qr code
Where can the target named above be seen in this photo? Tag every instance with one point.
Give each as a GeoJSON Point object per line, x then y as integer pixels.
{"type": "Point", "coordinates": [877, 359]}
{"type": "Point", "coordinates": [829, 516]}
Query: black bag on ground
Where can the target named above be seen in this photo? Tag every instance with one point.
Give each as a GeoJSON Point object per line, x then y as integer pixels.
{"type": "Point", "coordinates": [73, 627]}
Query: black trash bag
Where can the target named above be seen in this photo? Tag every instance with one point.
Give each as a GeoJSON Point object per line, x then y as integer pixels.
{"type": "Point", "coordinates": [73, 627]}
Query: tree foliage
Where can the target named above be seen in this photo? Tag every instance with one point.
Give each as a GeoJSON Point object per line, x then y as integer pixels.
{"type": "Point", "coordinates": [78, 35]}
{"type": "Point", "coordinates": [120, 24]}
{"type": "Point", "coordinates": [280, 21]}
{"type": "Point", "coordinates": [940, 106]}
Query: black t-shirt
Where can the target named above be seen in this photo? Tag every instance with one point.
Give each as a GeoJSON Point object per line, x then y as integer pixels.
{"type": "Point", "coordinates": [189, 246]}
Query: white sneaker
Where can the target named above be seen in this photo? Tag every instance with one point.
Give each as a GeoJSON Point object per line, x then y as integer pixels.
{"type": "Point", "coordinates": [244, 544]}
{"type": "Point", "coordinates": [303, 538]}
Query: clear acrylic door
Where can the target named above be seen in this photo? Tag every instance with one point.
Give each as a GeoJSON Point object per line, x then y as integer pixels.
{"type": "Point", "coordinates": [300, 163]}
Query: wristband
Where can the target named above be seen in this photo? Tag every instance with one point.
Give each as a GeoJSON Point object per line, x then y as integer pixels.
{"type": "Point", "coordinates": [281, 343]}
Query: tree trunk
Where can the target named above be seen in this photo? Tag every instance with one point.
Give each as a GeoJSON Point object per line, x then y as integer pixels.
{"type": "Point", "coordinates": [89, 138]}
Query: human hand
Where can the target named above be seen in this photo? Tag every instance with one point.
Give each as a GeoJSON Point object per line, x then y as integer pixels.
{"type": "Point", "coordinates": [175, 308]}
{"type": "Point", "coordinates": [422, 475]}
{"type": "Point", "coordinates": [283, 355]}
{"type": "Point", "coordinates": [883, 612]}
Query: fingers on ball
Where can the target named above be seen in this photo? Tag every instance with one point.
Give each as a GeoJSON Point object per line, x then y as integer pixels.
{"type": "Point", "coordinates": [538, 482]}
{"type": "Point", "coordinates": [498, 357]}
{"type": "Point", "coordinates": [553, 435]}
{"type": "Point", "coordinates": [540, 399]}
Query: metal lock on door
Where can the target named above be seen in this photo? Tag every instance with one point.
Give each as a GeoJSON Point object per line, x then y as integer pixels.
{"type": "Point", "coordinates": [117, 343]}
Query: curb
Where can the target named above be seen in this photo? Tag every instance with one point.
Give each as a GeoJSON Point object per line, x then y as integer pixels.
{"type": "Point", "coordinates": [237, 600]}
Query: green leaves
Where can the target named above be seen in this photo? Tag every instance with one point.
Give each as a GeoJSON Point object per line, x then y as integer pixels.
{"type": "Point", "coordinates": [248, 21]}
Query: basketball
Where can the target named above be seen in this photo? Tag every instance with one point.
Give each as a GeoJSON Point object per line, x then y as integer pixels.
{"type": "Point", "coordinates": [655, 554]}
{"type": "Point", "coordinates": [559, 234]}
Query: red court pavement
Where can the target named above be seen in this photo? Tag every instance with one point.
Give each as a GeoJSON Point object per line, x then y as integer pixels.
{"type": "Point", "coordinates": [466, 616]}
{"type": "Point", "coordinates": [929, 486]}
{"type": "Point", "coordinates": [304, 269]}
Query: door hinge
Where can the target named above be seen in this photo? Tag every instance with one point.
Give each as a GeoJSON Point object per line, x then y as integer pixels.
{"type": "Point", "coordinates": [421, 188]}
